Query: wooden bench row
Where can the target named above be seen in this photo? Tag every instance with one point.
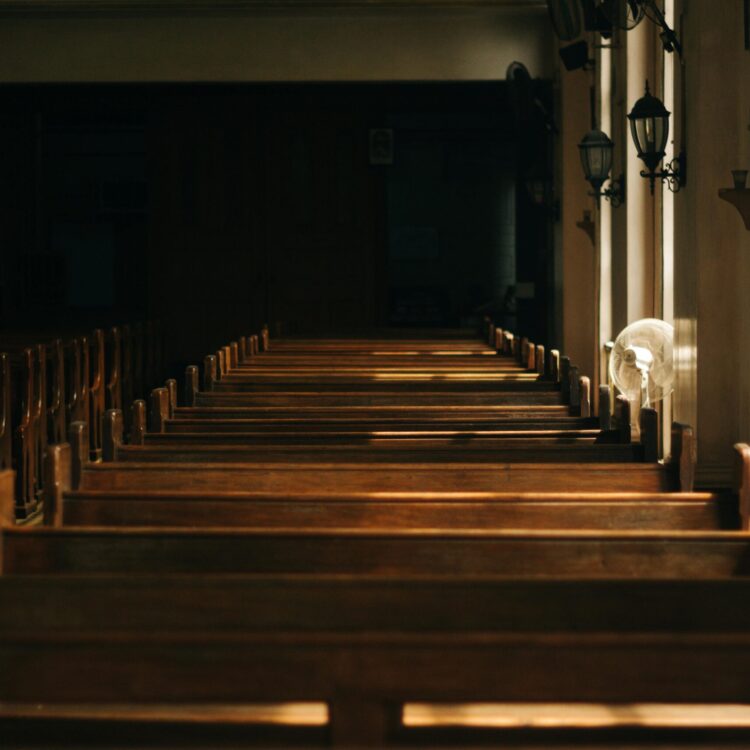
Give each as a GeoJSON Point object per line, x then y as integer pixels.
{"type": "Point", "coordinates": [48, 386]}
{"type": "Point", "coordinates": [366, 646]}
{"type": "Point", "coordinates": [367, 587]}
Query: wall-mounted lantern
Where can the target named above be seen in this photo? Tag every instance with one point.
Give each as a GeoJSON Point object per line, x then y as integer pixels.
{"type": "Point", "coordinates": [596, 157]}
{"type": "Point", "coordinates": [649, 126]}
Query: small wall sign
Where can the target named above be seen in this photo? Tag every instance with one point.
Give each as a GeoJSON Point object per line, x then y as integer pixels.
{"type": "Point", "coordinates": [381, 146]}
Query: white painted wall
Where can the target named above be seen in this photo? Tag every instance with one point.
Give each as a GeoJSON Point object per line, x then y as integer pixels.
{"type": "Point", "coordinates": [324, 45]}
{"type": "Point", "coordinates": [712, 247]}
{"type": "Point", "coordinates": [579, 254]}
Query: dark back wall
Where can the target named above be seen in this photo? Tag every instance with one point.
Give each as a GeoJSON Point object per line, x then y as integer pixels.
{"type": "Point", "coordinates": [216, 208]}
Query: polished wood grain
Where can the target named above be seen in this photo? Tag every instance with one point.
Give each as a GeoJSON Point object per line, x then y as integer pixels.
{"type": "Point", "coordinates": [290, 477]}
{"type": "Point", "coordinates": [399, 552]}
{"type": "Point", "coordinates": [374, 641]}
{"type": "Point", "coordinates": [396, 510]}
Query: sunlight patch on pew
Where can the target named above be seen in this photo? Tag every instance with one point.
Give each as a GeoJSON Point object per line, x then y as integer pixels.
{"type": "Point", "coordinates": [576, 715]}
{"type": "Point", "coordinates": [530, 376]}
{"type": "Point", "coordinates": [451, 353]}
{"type": "Point", "coordinates": [466, 434]}
{"type": "Point", "coordinates": [288, 714]}
{"type": "Point", "coordinates": [463, 354]}
{"type": "Point", "coordinates": [559, 497]}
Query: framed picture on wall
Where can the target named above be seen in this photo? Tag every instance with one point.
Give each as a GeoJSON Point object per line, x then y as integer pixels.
{"type": "Point", "coordinates": [381, 146]}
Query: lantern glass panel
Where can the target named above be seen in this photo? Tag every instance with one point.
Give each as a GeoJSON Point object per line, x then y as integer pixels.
{"type": "Point", "coordinates": [650, 135]}
{"type": "Point", "coordinates": [600, 162]}
{"type": "Point", "coordinates": [596, 157]}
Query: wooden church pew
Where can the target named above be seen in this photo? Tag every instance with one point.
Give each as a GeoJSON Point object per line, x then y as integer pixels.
{"type": "Point", "coordinates": [368, 646]}
{"type": "Point", "coordinates": [255, 373]}
{"type": "Point", "coordinates": [47, 386]}
{"type": "Point", "coordinates": [362, 496]}
{"type": "Point", "coordinates": [506, 391]}
{"type": "Point", "coordinates": [396, 510]}
{"type": "Point", "coordinates": [368, 421]}
{"type": "Point", "coordinates": [6, 425]}
{"type": "Point", "coordinates": [422, 443]}
{"type": "Point", "coordinates": [190, 420]}
{"type": "Point", "coordinates": [427, 451]}
{"type": "Point", "coordinates": [498, 631]}
{"type": "Point", "coordinates": [365, 551]}
{"type": "Point", "coordinates": [435, 477]}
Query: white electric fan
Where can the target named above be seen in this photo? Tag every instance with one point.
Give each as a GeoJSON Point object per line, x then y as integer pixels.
{"type": "Point", "coordinates": [640, 363]}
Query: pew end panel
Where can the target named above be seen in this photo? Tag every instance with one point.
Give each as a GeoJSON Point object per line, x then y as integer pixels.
{"type": "Point", "coordinates": [58, 481]}
{"type": "Point", "coordinates": [113, 366]}
{"type": "Point", "coordinates": [210, 372]}
{"type": "Point", "coordinates": [6, 423]}
{"type": "Point", "coordinates": [499, 339]}
{"type": "Point", "coordinates": [112, 434]}
{"type": "Point", "coordinates": [192, 384]}
{"type": "Point", "coordinates": [77, 381]}
{"type": "Point", "coordinates": [623, 419]}
{"type": "Point", "coordinates": [221, 364]}
{"type": "Point", "coordinates": [56, 396]}
{"type": "Point", "coordinates": [78, 439]}
{"type": "Point", "coordinates": [26, 437]}
{"type": "Point", "coordinates": [128, 361]}
{"type": "Point", "coordinates": [574, 391]}
{"type": "Point", "coordinates": [742, 482]}
{"type": "Point", "coordinates": [159, 409]}
{"type": "Point", "coordinates": [554, 365]}
{"type": "Point", "coordinates": [541, 361]}
{"type": "Point", "coordinates": [564, 379]}
{"type": "Point", "coordinates": [137, 422]}
{"type": "Point", "coordinates": [605, 408]}
{"type": "Point", "coordinates": [171, 386]}
{"type": "Point", "coordinates": [584, 390]}
{"type": "Point", "coordinates": [648, 420]}
{"type": "Point", "coordinates": [683, 457]}
{"type": "Point", "coordinates": [7, 498]}
{"type": "Point", "coordinates": [97, 395]}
